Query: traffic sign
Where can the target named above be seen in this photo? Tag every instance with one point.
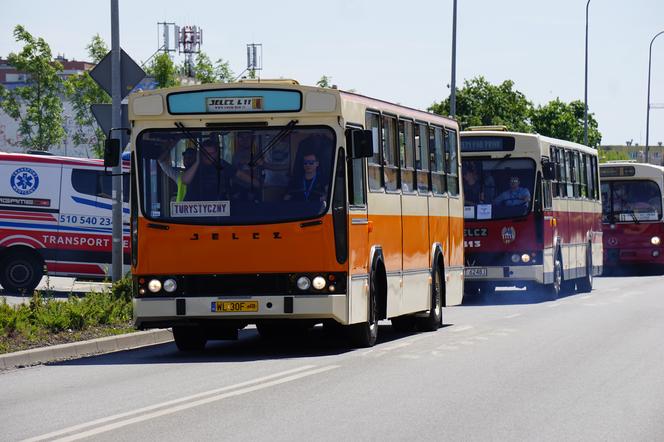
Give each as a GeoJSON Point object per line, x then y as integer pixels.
{"type": "Point", "coordinates": [131, 73]}
{"type": "Point", "coordinates": [103, 115]}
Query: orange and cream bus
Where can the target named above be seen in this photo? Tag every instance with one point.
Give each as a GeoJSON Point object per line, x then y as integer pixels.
{"type": "Point", "coordinates": [285, 206]}
{"type": "Point", "coordinates": [532, 212]}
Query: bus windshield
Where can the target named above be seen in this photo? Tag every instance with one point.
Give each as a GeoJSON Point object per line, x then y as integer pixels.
{"type": "Point", "coordinates": [244, 175]}
{"type": "Point", "coordinates": [631, 201]}
{"type": "Point", "coordinates": [497, 188]}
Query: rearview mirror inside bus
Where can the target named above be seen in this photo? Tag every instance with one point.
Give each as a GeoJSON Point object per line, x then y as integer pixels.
{"type": "Point", "coordinates": [549, 170]}
{"type": "Point", "coordinates": [111, 152]}
{"type": "Point", "coordinates": [362, 144]}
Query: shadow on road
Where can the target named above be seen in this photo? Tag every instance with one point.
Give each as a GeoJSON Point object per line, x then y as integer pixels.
{"type": "Point", "coordinates": [511, 296]}
{"type": "Point", "coordinates": [249, 347]}
{"type": "Point", "coordinates": [633, 270]}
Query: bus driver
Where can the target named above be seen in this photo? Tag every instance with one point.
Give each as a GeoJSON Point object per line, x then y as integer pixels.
{"type": "Point", "coordinates": [514, 196]}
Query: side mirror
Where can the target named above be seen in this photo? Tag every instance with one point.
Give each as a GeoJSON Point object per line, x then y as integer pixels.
{"type": "Point", "coordinates": [549, 170]}
{"type": "Point", "coordinates": [361, 143]}
{"type": "Point", "coordinates": [111, 152]}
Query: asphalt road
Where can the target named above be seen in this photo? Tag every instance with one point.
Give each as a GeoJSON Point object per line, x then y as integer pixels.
{"type": "Point", "coordinates": [585, 367]}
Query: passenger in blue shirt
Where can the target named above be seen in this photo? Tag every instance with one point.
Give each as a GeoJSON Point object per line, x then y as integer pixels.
{"type": "Point", "coordinates": [514, 196]}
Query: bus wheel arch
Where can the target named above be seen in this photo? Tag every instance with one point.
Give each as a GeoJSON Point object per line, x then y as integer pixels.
{"type": "Point", "coordinates": [434, 320]}
{"type": "Point", "coordinates": [21, 269]}
{"type": "Point", "coordinates": [365, 334]}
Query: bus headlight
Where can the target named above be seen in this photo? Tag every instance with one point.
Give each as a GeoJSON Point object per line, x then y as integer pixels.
{"type": "Point", "coordinates": [154, 285]}
{"type": "Point", "coordinates": [303, 283]}
{"type": "Point", "coordinates": [319, 283]}
{"type": "Point", "coordinates": [515, 258]}
{"type": "Point", "coordinates": [170, 285]}
{"type": "Point", "coordinates": [655, 241]}
{"type": "Point", "coordinates": [525, 258]}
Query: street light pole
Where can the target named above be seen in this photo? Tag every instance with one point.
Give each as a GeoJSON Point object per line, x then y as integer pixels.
{"type": "Point", "coordinates": [648, 110]}
{"type": "Point", "coordinates": [585, 108]}
{"type": "Point", "coordinates": [116, 121]}
{"type": "Point", "coordinates": [453, 80]}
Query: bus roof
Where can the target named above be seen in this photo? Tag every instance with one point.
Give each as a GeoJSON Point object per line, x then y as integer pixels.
{"type": "Point", "coordinates": [315, 99]}
{"type": "Point", "coordinates": [540, 139]}
{"type": "Point", "coordinates": [623, 169]}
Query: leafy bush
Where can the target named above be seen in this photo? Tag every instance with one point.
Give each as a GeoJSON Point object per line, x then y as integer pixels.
{"type": "Point", "coordinates": [44, 315]}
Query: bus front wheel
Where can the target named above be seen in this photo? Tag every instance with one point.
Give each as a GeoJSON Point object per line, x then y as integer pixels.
{"type": "Point", "coordinates": [365, 334]}
{"type": "Point", "coordinates": [585, 285]}
{"type": "Point", "coordinates": [553, 289]}
{"type": "Point", "coordinates": [189, 338]}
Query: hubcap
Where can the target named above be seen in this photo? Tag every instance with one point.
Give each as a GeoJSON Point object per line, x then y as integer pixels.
{"type": "Point", "coordinates": [19, 273]}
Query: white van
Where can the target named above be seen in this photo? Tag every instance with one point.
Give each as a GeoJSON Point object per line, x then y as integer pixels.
{"type": "Point", "coordinates": [55, 217]}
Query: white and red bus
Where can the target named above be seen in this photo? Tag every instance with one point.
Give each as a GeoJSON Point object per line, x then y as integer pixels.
{"type": "Point", "coordinates": [632, 213]}
{"type": "Point", "coordinates": [286, 222]}
{"type": "Point", "coordinates": [532, 212]}
{"type": "Point", "coordinates": [55, 218]}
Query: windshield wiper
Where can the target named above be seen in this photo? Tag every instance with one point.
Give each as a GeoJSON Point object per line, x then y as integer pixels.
{"type": "Point", "coordinates": [285, 131]}
{"type": "Point", "coordinates": [193, 139]}
{"type": "Point", "coordinates": [636, 220]}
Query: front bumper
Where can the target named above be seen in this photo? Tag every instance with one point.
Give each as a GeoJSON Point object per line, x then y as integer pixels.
{"type": "Point", "coordinates": [531, 273]}
{"type": "Point", "coordinates": [164, 311]}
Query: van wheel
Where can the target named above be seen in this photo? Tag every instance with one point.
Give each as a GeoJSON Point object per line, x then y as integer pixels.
{"type": "Point", "coordinates": [585, 285]}
{"type": "Point", "coordinates": [365, 334]}
{"type": "Point", "coordinates": [435, 318]}
{"type": "Point", "coordinates": [20, 272]}
{"type": "Point", "coordinates": [189, 338]}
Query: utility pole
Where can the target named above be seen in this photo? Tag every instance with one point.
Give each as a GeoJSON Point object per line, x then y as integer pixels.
{"type": "Point", "coordinates": [453, 82]}
{"type": "Point", "coordinates": [585, 100]}
{"type": "Point", "coordinates": [648, 111]}
{"type": "Point", "coordinates": [116, 122]}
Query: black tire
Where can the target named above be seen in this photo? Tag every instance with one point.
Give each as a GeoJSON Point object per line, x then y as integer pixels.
{"type": "Point", "coordinates": [189, 338]}
{"type": "Point", "coordinates": [585, 284]}
{"type": "Point", "coordinates": [365, 334]}
{"type": "Point", "coordinates": [404, 324]}
{"type": "Point", "coordinates": [553, 289]}
{"type": "Point", "coordinates": [20, 272]}
{"type": "Point", "coordinates": [434, 320]}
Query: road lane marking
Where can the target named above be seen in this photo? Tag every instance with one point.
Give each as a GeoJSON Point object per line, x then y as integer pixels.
{"type": "Point", "coordinates": [176, 404]}
{"type": "Point", "coordinates": [461, 329]}
{"type": "Point", "coordinates": [515, 315]}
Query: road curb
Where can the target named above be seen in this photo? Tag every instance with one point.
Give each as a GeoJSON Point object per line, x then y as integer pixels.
{"type": "Point", "coordinates": [92, 347]}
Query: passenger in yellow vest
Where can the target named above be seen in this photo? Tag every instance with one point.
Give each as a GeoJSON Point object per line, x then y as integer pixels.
{"type": "Point", "coordinates": [176, 173]}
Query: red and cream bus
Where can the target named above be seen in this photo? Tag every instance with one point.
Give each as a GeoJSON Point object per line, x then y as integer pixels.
{"type": "Point", "coordinates": [632, 213]}
{"type": "Point", "coordinates": [532, 212]}
{"type": "Point", "coordinates": [305, 206]}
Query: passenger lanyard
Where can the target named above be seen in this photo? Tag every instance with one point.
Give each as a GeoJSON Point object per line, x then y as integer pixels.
{"type": "Point", "coordinates": [307, 191]}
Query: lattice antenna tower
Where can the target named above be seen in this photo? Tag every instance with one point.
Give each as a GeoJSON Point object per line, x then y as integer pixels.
{"type": "Point", "coordinates": [254, 58]}
{"type": "Point", "coordinates": [190, 39]}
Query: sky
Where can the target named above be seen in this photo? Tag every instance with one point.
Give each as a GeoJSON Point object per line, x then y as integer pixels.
{"type": "Point", "coordinates": [400, 51]}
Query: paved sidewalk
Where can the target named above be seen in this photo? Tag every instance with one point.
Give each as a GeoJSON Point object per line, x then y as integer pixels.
{"type": "Point", "coordinates": [58, 287]}
{"type": "Point", "coordinates": [81, 349]}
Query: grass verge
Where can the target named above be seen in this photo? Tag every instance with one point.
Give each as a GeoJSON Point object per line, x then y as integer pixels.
{"type": "Point", "coordinates": [48, 321]}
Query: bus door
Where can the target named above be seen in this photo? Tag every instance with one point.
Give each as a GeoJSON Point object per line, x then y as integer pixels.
{"type": "Point", "coordinates": [414, 225]}
{"type": "Point", "coordinates": [439, 209]}
{"type": "Point", "coordinates": [358, 239]}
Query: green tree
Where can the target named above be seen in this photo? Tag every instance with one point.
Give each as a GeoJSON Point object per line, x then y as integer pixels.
{"type": "Point", "coordinates": [480, 103]}
{"type": "Point", "coordinates": [207, 72]}
{"type": "Point", "coordinates": [163, 70]}
{"type": "Point", "coordinates": [325, 81]}
{"type": "Point", "coordinates": [83, 91]}
{"type": "Point", "coordinates": [558, 119]}
{"type": "Point", "coordinates": [37, 106]}
{"type": "Point", "coordinates": [611, 155]}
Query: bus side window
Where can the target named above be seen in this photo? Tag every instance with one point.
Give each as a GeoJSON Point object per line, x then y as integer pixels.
{"type": "Point", "coordinates": [406, 152]}
{"type": "Point", "coordinates": [422, 158]}
{"type": "Point", "coordinates": [376, 161]}
{"type": "Point", "coordinates": [451, 156]}
{"type": "Point", "coordinates": [583, 174]}
{"type": "Point", "coordinates": [576, 180]}
{"type": "Point", "coordinates": [595, 177]}
{"type": "Point", "coordinates": [390, 154]}
{"type": "Point", "coordinates": [356, 188]}
{"type": "Point", "coordinates": [438, 184]}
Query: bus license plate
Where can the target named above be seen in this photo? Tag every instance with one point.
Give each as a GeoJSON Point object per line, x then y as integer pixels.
{"type": "Point", "coordinates": [234, 306]}
{"type": "Point", "coordinates": [475, 271]}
